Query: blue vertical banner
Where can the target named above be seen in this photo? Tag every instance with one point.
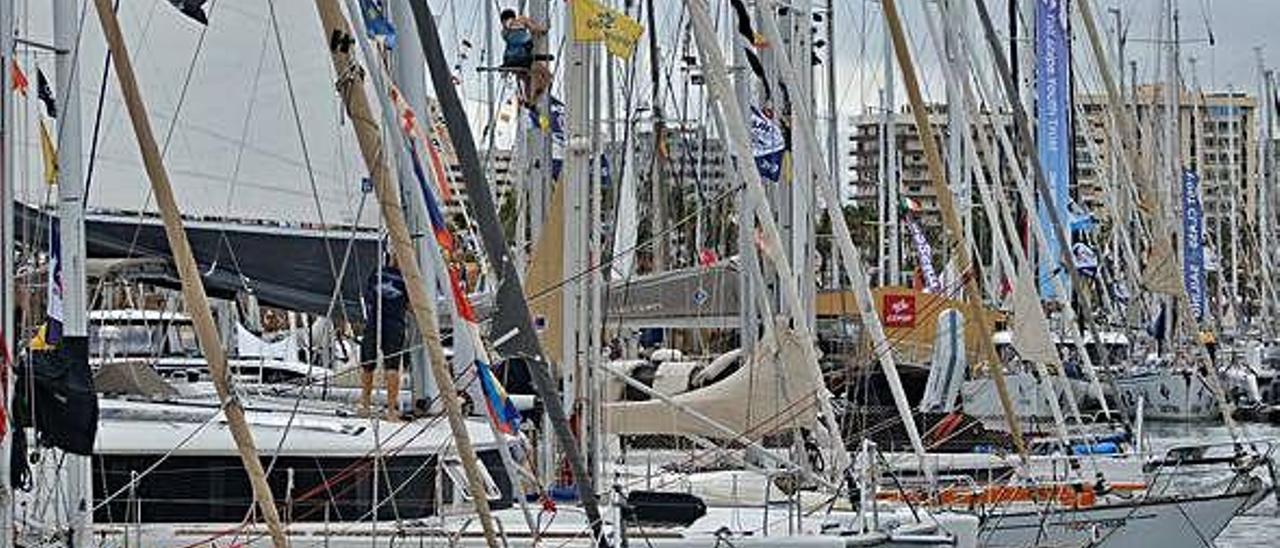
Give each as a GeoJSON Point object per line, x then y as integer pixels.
{"type": "Point", "coordinates": [1193, 243]}
{"type": "Point", "coordinates": [1053, 138]}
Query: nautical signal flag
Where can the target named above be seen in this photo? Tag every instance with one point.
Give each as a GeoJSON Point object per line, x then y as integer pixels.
{"type": "Point", "coordinates": [708, 257]}
{"type": "Point", "coordinates": [193, 9]}
{"type": "Point", "coordinates": [50, 155]}
{"type": "Point", "coordinates": [45, 94]}
{"type": "Point", "coordinates": [502, 411]}
{"type": "Point", "coordinates": [596, 22]}
{"type": "Point", "coordinates": [376, 22]}
{"type": "Point", "coordinates": [19, 78]}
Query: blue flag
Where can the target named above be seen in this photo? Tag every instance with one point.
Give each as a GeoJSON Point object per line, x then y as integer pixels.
{"type": "Point", "coordinates": [767, 145]}
{"type": "Point", "coordinates": [376, 22]}
{"type": "Point", "coordinates": [1193, 243]}
{"type": "Point", "coordinates": [1053, 113]}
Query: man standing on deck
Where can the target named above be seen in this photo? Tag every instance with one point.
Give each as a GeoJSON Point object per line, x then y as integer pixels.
{"type": "Point", "coordinates": [384, 298]}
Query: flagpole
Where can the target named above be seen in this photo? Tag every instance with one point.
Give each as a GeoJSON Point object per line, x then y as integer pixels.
{"type": "Point", "coordinates": [196, 301]}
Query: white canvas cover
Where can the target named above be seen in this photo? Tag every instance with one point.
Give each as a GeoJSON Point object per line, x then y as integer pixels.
{"type": "Point", "coordinates": [774, 391]}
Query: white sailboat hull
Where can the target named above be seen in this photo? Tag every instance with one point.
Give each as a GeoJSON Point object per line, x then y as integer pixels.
{"type": "Point", "coordinates": [1170, 395]}
{"type": "Point", "coordinates": [722, 526]}
{"type": "Point", "coordinates": [1167, 523]}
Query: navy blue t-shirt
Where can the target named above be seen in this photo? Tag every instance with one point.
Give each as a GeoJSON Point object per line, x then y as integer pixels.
{"type": "Point", "coordinates": [389, 289]}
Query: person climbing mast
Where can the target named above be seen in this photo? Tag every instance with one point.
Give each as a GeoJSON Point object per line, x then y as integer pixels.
{"type": "Point", "coordinates": [520, 33]}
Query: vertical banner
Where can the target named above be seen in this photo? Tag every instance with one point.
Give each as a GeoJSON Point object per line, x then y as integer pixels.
{"type": "Point", "coordinates": [924, 252]}
{"type": "Point", "coordinates": [53, 306]}
{"type": "Point", "coordinates": [1053, 139]}
{"type": "Point", "coordinates": [1193, 243]}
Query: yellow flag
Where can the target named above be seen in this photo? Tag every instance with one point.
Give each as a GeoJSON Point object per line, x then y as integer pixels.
{"type": "Point", "coordinates": [595, 22]}
{"type": "Point", "coordinates": [39, 342]}
{"type": "Point", "coordinates": [50, 155]}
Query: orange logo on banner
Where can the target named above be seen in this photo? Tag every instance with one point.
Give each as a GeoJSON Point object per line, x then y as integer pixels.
{"type": "Point", "coordinates": [899, 311]}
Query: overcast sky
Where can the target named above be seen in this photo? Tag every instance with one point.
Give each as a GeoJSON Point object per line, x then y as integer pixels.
{"type": "Point", "coordinates": [1238, 26]}
{"type": "Point", "coordinates": [236, 131]}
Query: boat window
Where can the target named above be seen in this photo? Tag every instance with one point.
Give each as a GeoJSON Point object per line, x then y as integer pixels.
{"type": "Point", "coordinates": [124, 340]}
{"type": "Point", "coordinates": [182, 340]}
{"type": "Point", "coordinates": [453, 467]}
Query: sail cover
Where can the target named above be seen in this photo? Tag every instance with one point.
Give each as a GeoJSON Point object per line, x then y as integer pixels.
{"type": "Point", "coordinates": [777, 390]}
{"type": "Point", "coordinates": [284, 267]}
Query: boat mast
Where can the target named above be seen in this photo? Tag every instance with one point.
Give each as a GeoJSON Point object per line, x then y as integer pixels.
{"type": "Point", "coordinates": [408, 73]}
{"type": "Point", "coordinates": [1235, 178]}
{"type": "Point", "coordinates": [538, 143]}
{"type": "Point", "coordinates": [890, 167]}
{"type": "Point", "coordinates": [7, 188]}
{"type": "Point", "coordinates": [75, 305]}
{"type": "Point", "coordinates": [421, 301]}
{"type": "Point", "coordinates": [953, 22]}
{"type": "Point", "coordinates": [799, 226]}
{"type": "Point", "coordinates": [1265, 199]}
{"type": "Point", "coordinates": [849, 254]}
{"type": "Point", "coordinates": [192, 286]}
{"type": "Point", "coordinates": [577, 181]}
{"type": "Point", "coordinates": [833, 126]}
{"type": "Point", "coordinates": [747, 258]}
{"type": "Point", "coordinates": [951, 219]}
{"type": "Point", "coordinates": [516, 335]}
{"type": "Point", "coordinates": [1266, 109]}
{"type": "Point", "coordinates": [1266, 106]}
{"type": "Point", "coordinates": [658, 214]}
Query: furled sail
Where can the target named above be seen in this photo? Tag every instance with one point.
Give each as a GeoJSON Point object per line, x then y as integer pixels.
{"type": "Point", "coordinates": [1031, 336]}
{"type": "Point", "coordinates": [947, 368]}
{"type": "Point", "coordinates": [624, 239]}
{"type": "Point", "coordinates": [1161, 274]}
{"type": "Point", "coordinates": [546, 270]}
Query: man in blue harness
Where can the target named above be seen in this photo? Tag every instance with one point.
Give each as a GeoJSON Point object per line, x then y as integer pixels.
{"type": "Point", "coordinates": [519, 33]}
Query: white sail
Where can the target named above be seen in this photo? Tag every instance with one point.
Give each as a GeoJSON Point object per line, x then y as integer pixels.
{"type": "Point", "coordinates": [235, 150]}
{"type": "Point", "coordinates": [624, 240]}
{"type": "Point", "coordinates": [948, 366]}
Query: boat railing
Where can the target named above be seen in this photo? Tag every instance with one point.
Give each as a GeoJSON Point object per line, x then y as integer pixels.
{"type": "Point", "coordinates": [1181, 463]}
{"type": "Point", "coordinates": [1245, 453]}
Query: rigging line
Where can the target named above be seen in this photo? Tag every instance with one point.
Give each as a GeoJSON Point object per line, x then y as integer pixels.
{"type": "Point", "coordinates": [173, 121]}
{"type": "Point", "coordinates": [244, 135]}
{"type": "Point", "coordinates": [97, 118]}
{"type": "Point", "coordinates": [728, 193]}
{"type": "Point", "coordinates": [302, 136]}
